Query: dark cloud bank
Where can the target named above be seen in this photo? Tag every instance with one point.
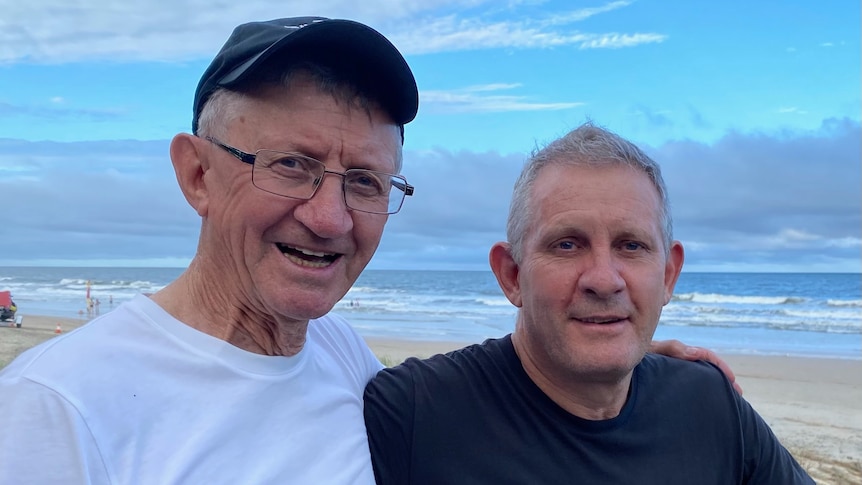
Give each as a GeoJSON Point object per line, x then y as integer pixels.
{"type": "Point", "coordinates": [783, 201]}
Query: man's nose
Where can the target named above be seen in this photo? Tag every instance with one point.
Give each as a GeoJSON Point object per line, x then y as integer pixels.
{"type": "Point", "coordinates": [326, 213]}
{"type": "Point", "coordinates": [601, 276]}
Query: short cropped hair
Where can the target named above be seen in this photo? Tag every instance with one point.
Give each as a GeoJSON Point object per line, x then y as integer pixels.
{"type": "Point", "coordinates": [587, 145]}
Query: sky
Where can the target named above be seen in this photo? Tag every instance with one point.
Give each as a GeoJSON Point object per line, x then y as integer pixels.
{"type": "Point", "coordinates": [751, 108]}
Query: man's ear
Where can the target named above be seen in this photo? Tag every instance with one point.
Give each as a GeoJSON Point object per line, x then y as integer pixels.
{"type": "Point", "coordinates": [190, 165]}
{"type": "Point", "coordinates": [672, 269]}
{"type": "Point", "coordinates": [506, 270]}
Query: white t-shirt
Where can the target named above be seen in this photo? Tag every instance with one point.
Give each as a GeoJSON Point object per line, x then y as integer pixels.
{"type": "Point", "coordinates": [136, 396]}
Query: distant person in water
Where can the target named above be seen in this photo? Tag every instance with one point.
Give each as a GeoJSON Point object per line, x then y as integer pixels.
{"type": "Point", "coordinates": [572, 395]}
{"type": "Point", "coordinates": [237, 372]}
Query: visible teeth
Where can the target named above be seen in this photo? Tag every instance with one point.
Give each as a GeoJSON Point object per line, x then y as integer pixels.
{"type": "Point", "coordinates": [307, 257]}
{"type": "Point", "coordinates": [311, 253]}
{"type": "Point", "coordinates": [306, 263]}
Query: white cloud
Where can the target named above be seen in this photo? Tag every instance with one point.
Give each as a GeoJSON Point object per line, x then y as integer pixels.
{"type": "Point", "coordinates": [57, 110]}
{"type": "Point", "coordinates": [796, 235]}
{"type": "Point", "coordinates": [473, 99]}
{"type": "Point", "coordinates": [845, 242]}
{"type": "Point", "coordinates": [800, 239]}
{"type": "Point", "coordinates": [585, 13]}
{"type": "Point", "coordinates": [60, 31]}
{"type": "Point", "coordinates": [619, 41]}
{"type": "Point", "coordinates": [792, 110]}
{"type": "Point", "coordinates": [491, 87]}
{"type": "Point", "coordinates": [452, 33]}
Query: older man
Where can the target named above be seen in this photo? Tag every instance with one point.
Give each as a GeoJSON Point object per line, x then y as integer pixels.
{"type": "Point", "coordinates": [571, 396]}
{"type": "Point", "coordinates": [234, 373]}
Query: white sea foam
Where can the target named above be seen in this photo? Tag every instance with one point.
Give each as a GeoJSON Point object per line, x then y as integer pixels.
{"type": "Point", "coordinates": [502, 301]}
{"type": "Point", "coordinates": [757, 312]}
{"type": "Point", "coordinates": [748, 300]}
{"type": "Point", "coordinates": [845, 303]}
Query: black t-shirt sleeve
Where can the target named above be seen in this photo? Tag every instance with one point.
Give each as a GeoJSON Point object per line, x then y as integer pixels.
{"type": "Point", "coordinates": [389, 407]}
{"type": "Point", "coordinates": [766, 460]}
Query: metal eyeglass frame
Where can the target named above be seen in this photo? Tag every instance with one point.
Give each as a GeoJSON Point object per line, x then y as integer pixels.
{"type": "Point", "coordinates": [250, 158]}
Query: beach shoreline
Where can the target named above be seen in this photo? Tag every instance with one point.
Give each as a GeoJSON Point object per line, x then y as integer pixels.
{"type": "Point", "coordinates": [812, 404]}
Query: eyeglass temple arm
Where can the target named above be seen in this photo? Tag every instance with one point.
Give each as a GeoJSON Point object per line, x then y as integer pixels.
{"type": "Point", "coordinates": [241, 155]}
{"type": "Point", "coordinates": [407, 188]}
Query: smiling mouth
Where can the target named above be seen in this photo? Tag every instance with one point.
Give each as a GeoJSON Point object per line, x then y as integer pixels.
{"type": "Point", "coordinates": [307, 257]}
{"type": "Point", "coordinates": [601, 320]}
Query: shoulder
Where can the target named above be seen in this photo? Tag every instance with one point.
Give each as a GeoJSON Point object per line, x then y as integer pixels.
{"type": "Point", "coordinates": [76, 353]}
{"type": "Point", "coordinates": [489, 352]}
{"type": "Point", "coordinates": [398, 391]}
{"type": "Point", "coordinates": [335, 338]}
{"type": "Point", "coordinates": [662, 365]}
{"type": "Point", "coordinates": [682, 379]}
{"type": "Point", "coordinates": [459, 368]}
{"type": "Point", "coordinates": [333, 330]}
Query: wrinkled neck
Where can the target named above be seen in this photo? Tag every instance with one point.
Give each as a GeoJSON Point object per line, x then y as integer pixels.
{"type": "Point", "coordinates": [204, 302]}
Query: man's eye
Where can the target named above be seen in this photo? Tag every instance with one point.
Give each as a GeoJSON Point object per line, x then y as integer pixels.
{"type": "Point", "coordinates": [366, 183]}
{"type": "Point", "coordinates": [287, 162]}
{"type": "Point", "coordinates": [292, 167]}
{"type": "Point", "coordinates": [632, 246]}
{"type": "Point", "coordinates": [567, 245]}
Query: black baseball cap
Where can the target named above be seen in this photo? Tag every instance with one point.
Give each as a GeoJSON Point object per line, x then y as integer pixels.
{"type": "Point", "coordinates": [353, 50]}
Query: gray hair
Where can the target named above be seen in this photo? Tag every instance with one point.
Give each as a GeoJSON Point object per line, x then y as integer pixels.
{"type": "Point", "coordinates": [224, 104]}
{"type": "Point", "coordinates": [587, 145]}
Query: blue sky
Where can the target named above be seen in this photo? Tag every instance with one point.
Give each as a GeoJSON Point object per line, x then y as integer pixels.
{"type": "Point", "coordinates": [751, 108]}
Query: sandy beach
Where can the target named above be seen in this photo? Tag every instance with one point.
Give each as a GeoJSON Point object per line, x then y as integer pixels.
{"type": "Point", "coordinates": [814, 406]}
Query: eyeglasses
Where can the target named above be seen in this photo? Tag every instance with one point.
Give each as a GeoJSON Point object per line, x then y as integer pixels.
{"type": "Point", "coordinates": [297, 176]}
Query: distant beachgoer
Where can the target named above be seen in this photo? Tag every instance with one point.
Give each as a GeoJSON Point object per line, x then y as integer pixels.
{"type": "Point", "coordinates": [8, 312]}
{"type": "Point", "coordinates": [236, 372]}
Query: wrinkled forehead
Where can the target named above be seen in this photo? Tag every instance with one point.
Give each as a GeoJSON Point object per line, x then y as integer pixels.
{"type": "Point", "coordinates": [566, 187]}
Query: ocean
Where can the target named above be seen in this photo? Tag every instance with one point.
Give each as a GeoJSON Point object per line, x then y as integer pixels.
{"type": "Point", "coordinates": [801, 314]}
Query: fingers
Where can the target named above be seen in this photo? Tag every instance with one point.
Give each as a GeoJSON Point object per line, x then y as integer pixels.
{"type": "Point", "coordinates": [672, 348]}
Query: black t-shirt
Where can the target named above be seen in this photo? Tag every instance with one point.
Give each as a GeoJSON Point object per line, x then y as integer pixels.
{"type": "Point", "coordinates": [473, 416]}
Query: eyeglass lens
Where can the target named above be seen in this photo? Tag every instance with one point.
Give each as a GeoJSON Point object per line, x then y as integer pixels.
{"type": "Point", "coordinates": [297, 176]}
